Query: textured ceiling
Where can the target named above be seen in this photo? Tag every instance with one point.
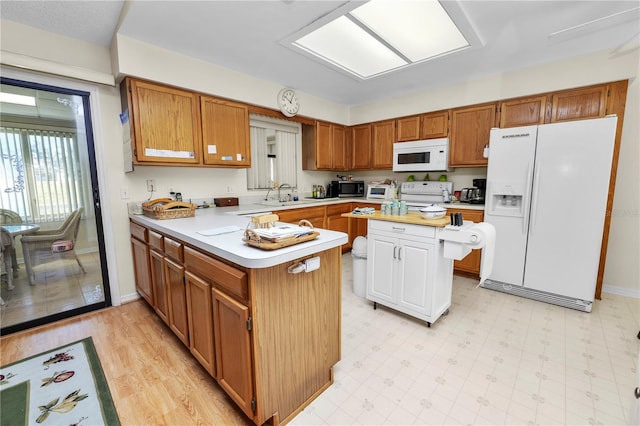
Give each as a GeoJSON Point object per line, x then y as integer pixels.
{"type": "Point", "coordinates": [247, 36]}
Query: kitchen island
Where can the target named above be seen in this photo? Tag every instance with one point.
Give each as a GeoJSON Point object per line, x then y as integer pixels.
{"type": "Point", "coordinates": [406, 267]}
{"type": "Point", "coordinates": [268, 336]}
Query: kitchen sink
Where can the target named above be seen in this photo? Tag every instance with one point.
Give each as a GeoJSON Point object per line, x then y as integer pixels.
{"type": "Point", "coordinates": [276, 203]}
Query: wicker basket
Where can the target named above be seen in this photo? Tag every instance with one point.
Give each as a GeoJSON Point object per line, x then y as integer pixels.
{"type": "Point", "coordinates": [166, 208]}
{"type": "Point", "coordinates": [252, 238]}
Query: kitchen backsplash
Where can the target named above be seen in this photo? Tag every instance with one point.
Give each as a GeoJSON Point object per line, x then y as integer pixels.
{"type": "Point", "coordinates": [198, 183]}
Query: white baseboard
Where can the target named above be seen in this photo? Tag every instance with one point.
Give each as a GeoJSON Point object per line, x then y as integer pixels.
{"type": "Point", "coordinates": [621, 291]}
{"type": "Point", "coordinates": [129, 297]}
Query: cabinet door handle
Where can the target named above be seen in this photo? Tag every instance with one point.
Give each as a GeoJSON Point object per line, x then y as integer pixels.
{"type": "Point", "coordinates": [394, 252]}
{"type": "Point", "coordinates": [636, 393]}
{"type": "Point", "coordinates": [397, 228]}
{"type": "Point", "coordinates": [400, 253]}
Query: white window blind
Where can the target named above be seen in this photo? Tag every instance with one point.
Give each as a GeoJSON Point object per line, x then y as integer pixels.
{"type": "Point", "coordinates": [42, 178]}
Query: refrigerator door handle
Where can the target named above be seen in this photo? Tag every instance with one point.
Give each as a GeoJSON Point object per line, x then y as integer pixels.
{"type": "Point", "coordinates": [534, 200]}
{"type": "Point", "coordinates": [526, 202]}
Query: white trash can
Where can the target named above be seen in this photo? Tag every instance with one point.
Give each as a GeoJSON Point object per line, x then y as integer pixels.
{"type": "Point", "coordinates": [359, 255]}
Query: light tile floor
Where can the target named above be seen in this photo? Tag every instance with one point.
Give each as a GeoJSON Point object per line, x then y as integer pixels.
{"type": "Point", "coordinates": [495, 359]}
{"type": "Point", "coordinates": [59, 286]}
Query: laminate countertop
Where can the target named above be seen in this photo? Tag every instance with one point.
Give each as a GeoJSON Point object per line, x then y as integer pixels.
{"type": "Point", "coordinates": [229, 245]}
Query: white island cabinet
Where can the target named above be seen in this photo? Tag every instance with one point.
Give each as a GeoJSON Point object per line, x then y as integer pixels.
{"type": "Point", "coordinates": [406, 269]}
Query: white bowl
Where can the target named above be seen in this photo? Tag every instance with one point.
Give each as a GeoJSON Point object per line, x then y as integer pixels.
{"type": "Point", "coordinates": [433, 211]}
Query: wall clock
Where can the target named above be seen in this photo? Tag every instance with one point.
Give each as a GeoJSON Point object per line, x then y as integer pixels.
{"type": "Point", "coordinates": [288, 102]}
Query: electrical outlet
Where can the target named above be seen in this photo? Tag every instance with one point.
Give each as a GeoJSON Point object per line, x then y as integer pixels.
{"type": "Point", "coordinates": [151, 185]}
{"type": "Point", "coordinates": [229, 189]}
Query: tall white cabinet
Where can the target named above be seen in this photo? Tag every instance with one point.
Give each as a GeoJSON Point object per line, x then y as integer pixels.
{"type": "Point", "coordinates": [406, 270]}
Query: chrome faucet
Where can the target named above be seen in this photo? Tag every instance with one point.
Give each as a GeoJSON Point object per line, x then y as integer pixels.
{"type": "Point", "coordinates": [266, 198]}
{"type": "Point", "coordinates": [284, 185]}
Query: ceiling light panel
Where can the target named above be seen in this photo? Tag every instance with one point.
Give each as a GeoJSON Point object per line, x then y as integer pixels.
{"type": "Point", "coordinates": [348, 46]}
{"type": "Point", "coordinates": [418, 29]}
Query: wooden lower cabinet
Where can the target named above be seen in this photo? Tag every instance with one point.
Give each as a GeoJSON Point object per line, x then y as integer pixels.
{"type": "Point", "coordinates": [158, 282]}
{"type": "Point", "coordinates": [471, 263]}
{"type": "Point", "coordinates": [232, 333]}
{"type": "Point", "coordinates": [270, 338]}
{"type": "Point", "coordinates": [140, 253]}
{"type": "Point", "coordinates": [178, 322]}
{"type": "Point", "coordinates": [315, 215]}
{"type": "Point", "coordinates": [336, 222]}
{"type": "Point", "coordinates": [200, 320]}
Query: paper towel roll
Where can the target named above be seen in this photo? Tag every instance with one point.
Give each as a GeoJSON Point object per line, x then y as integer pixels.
{"type": "Point", "coordinates": [487, 241]}
{"type": "Point", "coordinates": [459, 241]}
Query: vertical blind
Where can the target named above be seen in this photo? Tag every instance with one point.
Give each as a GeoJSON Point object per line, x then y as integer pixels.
{"type": "Point", "coordinates": [42, 178]}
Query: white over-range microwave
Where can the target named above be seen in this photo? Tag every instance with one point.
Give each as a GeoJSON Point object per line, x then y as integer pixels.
{"type": "Point", "coordinates": [421, 156]}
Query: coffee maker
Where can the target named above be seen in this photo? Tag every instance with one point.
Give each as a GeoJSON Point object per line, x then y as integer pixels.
{"type": "Point", "coordinates": [481, 184]}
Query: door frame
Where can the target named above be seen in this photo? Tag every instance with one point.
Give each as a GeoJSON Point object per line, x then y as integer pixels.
{"type": "Point", "coordinates": [113, 297]}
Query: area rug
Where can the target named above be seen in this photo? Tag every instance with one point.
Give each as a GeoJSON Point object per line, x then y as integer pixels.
{"type": "Point", "coordinates": [63, 386]}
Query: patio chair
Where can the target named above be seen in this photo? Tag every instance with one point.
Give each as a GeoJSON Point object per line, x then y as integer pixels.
{"type": "Point", "coordinates": [9, 217]}
{"type": "Point", "coordinates": [6, 243]}
{"type": "Point", "coordinates": [59, 241]}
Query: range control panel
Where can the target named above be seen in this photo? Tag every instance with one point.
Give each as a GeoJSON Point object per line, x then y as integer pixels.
{"type": "Point", "coordinates": [426, 187]}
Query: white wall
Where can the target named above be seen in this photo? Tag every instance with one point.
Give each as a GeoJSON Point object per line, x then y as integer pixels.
{"type": "Point", "coordinates": [142, 60]}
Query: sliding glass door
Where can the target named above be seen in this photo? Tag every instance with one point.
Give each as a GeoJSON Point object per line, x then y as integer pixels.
{"type": "Point", "coordinates": [53, 257]}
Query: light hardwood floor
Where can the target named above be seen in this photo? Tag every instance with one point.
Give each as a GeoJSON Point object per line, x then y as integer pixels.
{"type": "Point", "coordinates": [152, 377]}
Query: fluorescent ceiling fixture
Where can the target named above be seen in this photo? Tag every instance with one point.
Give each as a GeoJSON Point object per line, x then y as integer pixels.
{"type": "Point", "coordinates": [384, 35]}
{"type": "Point", "coordinates": [11, 98]}
{"type": "Point", "coordinates": [345, 44]}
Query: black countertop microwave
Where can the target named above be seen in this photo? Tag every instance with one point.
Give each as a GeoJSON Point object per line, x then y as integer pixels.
{"type": "Point", "coordinates": [349, 188]}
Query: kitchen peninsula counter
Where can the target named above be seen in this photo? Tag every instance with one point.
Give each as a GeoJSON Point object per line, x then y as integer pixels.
{"type": "Point", "coordinates": [230, 245]}
{"type": "Point", "coordinates": [267, 331]}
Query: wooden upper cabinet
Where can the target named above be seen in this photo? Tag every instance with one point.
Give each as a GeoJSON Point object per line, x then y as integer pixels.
{"type": "Point", "coordinates": [425, 126]}
{"type": "Point", "coordinates": [339, 149]}
{"type": "Point", "coordinates": [324, 147]}
{"type": "Point", "coordinates": [384, 136]}
{"type": "Point", "coordinates": [435, 125]}
{"type": "Point", "coordinates": [165, 124]}
{"type": "Point", "coordinates": [408, 128]}
{"type": "Point", "coordinates": [578, 104]}
{"type": "Point", "coordinates": [470, 129]}
{"type": "Point", "coordinates": [225, 133]}
{"type": "Point", "coordinates": [523, 111]}
{"type": "Point", "coordinates": [361, 147]}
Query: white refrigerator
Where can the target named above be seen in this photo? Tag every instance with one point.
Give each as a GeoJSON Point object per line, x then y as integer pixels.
{"type": "Point", "coordinates": [546, 195]}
